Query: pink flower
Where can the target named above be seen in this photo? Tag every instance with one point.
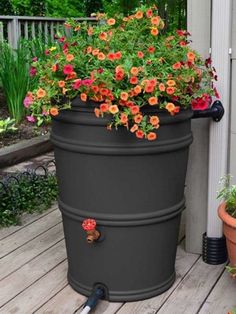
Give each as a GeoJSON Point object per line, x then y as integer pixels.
{"type": "Point", "coordinates": [68, 69]}
{"type": "Point", "coordinates": [32, 71]}
{"type": "Point", "coordinates": [27, 101]}
{"type": "Point", "coordinates": [31, 119]}
{"type": "Point", "coordinates": [47, 52]}
{"type": "Point", "coordinates": [62, 39]}
{"type": "Point", "coordinates": [34, 59]}
{"type": "Point", "coordinates": [87, 82]}
{"type": "Point", "coordinates": [201, 103]}
{"type": "Point", "coordinates": [77, 84]}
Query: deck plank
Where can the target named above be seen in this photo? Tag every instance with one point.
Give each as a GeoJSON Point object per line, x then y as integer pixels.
{"type": "Point", "coordinates": [184, 262]}
{"type": "Point", "coordinates": [38, 293]}
{"type": "Point", "coordinates": [25, 276]}
{"type": "Point", "coordinates": [30, 250]}
{"type": "Point", "coordinates": [65, 301]}
{"type": "Point", "coordinates": [28, 233]}
{"type": "Point", "coordinates": [222, 299]}
{"type": "Point", "coordinates": [26, 220]}
{"type": "Point", "coordinates": [192, 291]}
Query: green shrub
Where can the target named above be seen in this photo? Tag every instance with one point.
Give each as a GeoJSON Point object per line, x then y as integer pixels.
{"type": "Point", "coordinates": [26, 193]}
{"type": "Point", "coordinates": [7, 125]}
{"type": "Point", "coordinates": [14, 76]}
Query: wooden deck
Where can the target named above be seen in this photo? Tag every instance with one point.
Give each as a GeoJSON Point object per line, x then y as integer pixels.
{"type": "Point", "coordinates": [33, 269]}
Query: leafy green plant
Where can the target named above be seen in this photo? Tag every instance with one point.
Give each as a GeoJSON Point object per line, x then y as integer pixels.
{"type": "Point", "coordinates": [7, 125]}
{"type": "Point", "coordinates": [26, 193]}
{"type": "Point", "coordinates": [228, 194]}
{"type": "Point", "coordinates": [14, 76]}
{"type": "Point", "coordinates": [232, 270]}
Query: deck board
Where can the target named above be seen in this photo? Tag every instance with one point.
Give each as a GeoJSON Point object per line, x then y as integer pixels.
{"type": "Point", "coordinates": [192, 291]}
{"type": "Point", "coordinates": [30, 250]}
{"type": "Point", "coordinates": [38, 293]}
{"type": "Point", "coordinates": [33, 269]}
{"type": "Point", "coordinates": [26, 220]}
{"type": "Point", "coordinates": [28, 233]}
{"type": "Point", "coordinates": [222, 299]}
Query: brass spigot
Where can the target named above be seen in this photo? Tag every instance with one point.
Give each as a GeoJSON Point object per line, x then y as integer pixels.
{"type": "Point", "coordinates": [89, 225]}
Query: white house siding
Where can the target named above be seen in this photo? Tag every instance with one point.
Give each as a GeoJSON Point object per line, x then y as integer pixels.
{"type": "Point", "coordinates": [232, 159]}
{"type": "Point", "coordinates": [199, 23]}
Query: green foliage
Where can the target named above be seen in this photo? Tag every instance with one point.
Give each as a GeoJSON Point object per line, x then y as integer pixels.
{"type": "Point", "coordinates": [232, 270]}
{"type": "Point", "coordinates": [7, 125]}
{"type": "Point", "coordinates": [6, 8]}
{"type": "Point", "coordinates": [228, 194]}
{"type": "Point", "coordinates": [14, 76]}
{"type": "Point", "coordinates": [26, 193]}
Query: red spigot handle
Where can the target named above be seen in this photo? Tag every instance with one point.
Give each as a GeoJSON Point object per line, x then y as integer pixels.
{"type": "Point", "coordinates": [89, 225]}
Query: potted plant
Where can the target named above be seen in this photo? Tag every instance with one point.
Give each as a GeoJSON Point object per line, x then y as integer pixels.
{"type": "Point", "coordinates": [121, 148]}
{"type": "Point", "coordinates": [227, 212]}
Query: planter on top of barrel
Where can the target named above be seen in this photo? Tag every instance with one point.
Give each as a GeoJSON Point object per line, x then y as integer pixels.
{"type": "Point", "coordinates": [121, 148]}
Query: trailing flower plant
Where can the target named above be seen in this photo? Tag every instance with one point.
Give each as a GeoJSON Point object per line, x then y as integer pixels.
{"type": "Point", "coordinates": [123, 64]}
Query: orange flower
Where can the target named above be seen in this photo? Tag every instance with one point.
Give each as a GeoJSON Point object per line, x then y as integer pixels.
{"type": "Point", "coordinates": [153, 101]}
{"type": "Point", "coordinates": [111, 56]}
{"type": "Point", "coordinates": [140, 54]}
{"type": "Point", "coordinates": [113, 109]}
{"type": "Point", "coordinates": [69, 57]}
{"type": "Point", "coordinates": [162, 87]}
{"type": "Point", "coordinates": [101, 56]}
{"type": "Point", "coordinates": [89, 49]}
{"type": "Point", "coordinates": [61, 83]}
{"type": "Point", "coordinates": [97, 112]}
{"type": "Point", "coordinates": [104, 107]}
{"type": "Point", "coordinates": [95, 52]}
{"type": "Point", "coordinates": [95, 88]}
{"type": "Point", "coordinates": [103, 36]}
{"type": "Point", "coordinates": [71, 76]}
{"type": "Point", "coordinates": [149, 13]}
{"type": "Point", "coordinates": [149, 88]}
{"type": "Point", "coordinates": [137, 89]}
{"type": "Point", "coordinates": [134, 71]}
{"type": "Point", "coordinates": [83, 96]}
{"type": "Point", "coordinates": [151, 49]}
{"type": "Point", "coordinates": [154, 31]}
{"type": "Point", "coordinates": [138, 118]}
{"type": "Point", "coordinates": [90, 31]}
{"type": "Point", "coordinates": [139, 15]}
{"type": "Point", "coordinates": [176, 66]}
{"type": "Point", "coordinates": [139, 134]}
{"type": "Point", "coordinates": [170, 83]}
{"type": "Point", "coordinates": [170, 90]}
{"type": "Point", "coordinates": [124, 96]}
{"type": "Point", "coordinates": [41, 93]}
{"type": "Point", "coordinates": [111, 22]}
{"type": "Point", "coordinates": [152, 82]}
{"type": "Point", "coordinates": [134, 128]}
{"type": "Point", "coordinates": [118, 55]}
{"type": "Point", "coordinates": [55, 67]}
{"type": "Point", "coordinates": [54, 111]}
{"type": "Point", "coordinates": [151, 136]}
{"type": "Point", "coordinates": [170, 107]}
{"type": "Point", "coordinates": [64, 90]}
{"type": "Point", "coordinates": [123, 118]}
{"type": "Point", "coordinates": [191, 56]}
{"type": "Point", "coordinates": [154, 120]}
{"type": "Point", "coordinates": [134, 109]}
{"type": "Point", "coordinates": [133, 80]}
{"type": "Point", "coordinates": [155, 20]}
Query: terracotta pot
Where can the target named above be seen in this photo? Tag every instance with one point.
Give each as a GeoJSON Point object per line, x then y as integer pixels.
{"type": "Point", "coordinates": [229, 228]}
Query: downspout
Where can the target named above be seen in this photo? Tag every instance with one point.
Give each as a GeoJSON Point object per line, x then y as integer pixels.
{"type": "Point", "coordinates": [214, 251]}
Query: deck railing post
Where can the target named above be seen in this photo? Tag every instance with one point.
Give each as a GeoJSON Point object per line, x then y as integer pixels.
{"type": "Point", "coordinates": [13, 32]}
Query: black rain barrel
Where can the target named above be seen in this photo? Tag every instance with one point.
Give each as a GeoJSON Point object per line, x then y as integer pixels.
{"type": "Point", "coordinates": [133, 188]}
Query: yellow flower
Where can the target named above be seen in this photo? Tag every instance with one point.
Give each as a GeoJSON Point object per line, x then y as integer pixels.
{"type": "Point", "coordinates": [53, 48]}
